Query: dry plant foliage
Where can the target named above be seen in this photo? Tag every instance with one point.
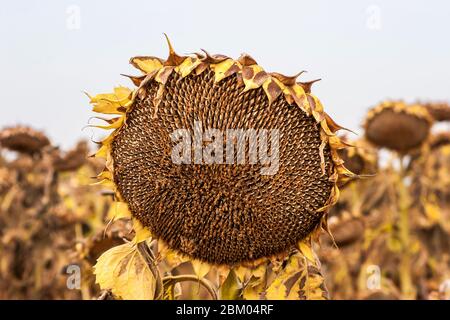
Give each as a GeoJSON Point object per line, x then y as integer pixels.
{"type": "Point", "coordinates": [44, 209]}
{"type": "Point", "coordinates": [395, 225]}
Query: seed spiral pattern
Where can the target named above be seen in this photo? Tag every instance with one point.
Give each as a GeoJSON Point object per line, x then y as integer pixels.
{"type": "Point", "coordinates": [220, 213]}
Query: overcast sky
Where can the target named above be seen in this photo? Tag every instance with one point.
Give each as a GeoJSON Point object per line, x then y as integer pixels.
{"type": "Point", "coordinates": [365, 51]}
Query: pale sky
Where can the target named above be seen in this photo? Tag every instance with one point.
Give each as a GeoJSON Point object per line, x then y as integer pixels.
{"type": "Point", "coordinates": [365, 51]}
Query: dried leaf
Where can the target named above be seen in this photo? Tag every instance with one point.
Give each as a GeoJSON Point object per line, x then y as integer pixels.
{"type": "Point", "coordinates": [231, 289]}
{"type": "Point", "coordinates": [123, 271]}
{"type": "Point", "coordinates": [201, 269]}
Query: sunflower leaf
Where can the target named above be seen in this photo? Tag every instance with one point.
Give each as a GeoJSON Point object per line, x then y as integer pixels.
{"type": "Point", "coordinates": [123, 271]}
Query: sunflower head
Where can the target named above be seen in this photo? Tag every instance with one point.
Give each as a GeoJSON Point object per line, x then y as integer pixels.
{"type": "Point", "coordinates": [438, 140]}
{"type": "Point", "coordinates": [73, 159]}
{"type": "Point", "coordinates": [362, 159]}
{"type": "Point", "coordinates": [440, 111]}
{"type": "Point", "coordinates": [436, 168]}
{"type": "Point", "coordinates": [23, 139]}
{"type": "Point", "coordinates": [397, 126]}
{"type": "Point", "coordinates": [216, 204]}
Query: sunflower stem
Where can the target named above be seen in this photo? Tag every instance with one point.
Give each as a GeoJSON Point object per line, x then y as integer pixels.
{"type": "Point", "coordinates": [404, 229]}
{"type": "Point", "coordinates": [149, 258]}
{"type": "Point", "coordinates": [172, 280]}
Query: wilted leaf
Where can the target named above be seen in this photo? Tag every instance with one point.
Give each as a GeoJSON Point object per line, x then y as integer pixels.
{"type": "Point", "coordinates": [310, 285]}
{"type": "Point", "coordinates": [123, 271]}
{"type": "Point", "coordinates": [433, 212]}
{"type": "Point", "coordinates": [142, 233]}
{"type": "Point", "coordinates": [231, 289]}
{"type": "Point", "coordinates": [201, 269]}
{"type": "Point", "coordinates": [278, 289]}
{"type": "Point", "coordinates": [305, 248]}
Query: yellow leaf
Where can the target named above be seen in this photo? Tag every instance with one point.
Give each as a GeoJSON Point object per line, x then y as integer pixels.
{"type": "Point", "coordinates": [119, 210]}
{"type": "Point", "coordinates": [310, 285]}
{"type": "Point", "coordinates": [252, 292]}
{"type": "Point", "coordinates": [278, 289]}
{"type": "Point", "coordinates": [201, 269]}
{"type": "Point", "coordinates": [231, 289]}
{"type": "Point", "coordinates": [123, 271]}
{"type": "Point", "coordinates": [142, 233]}
{"type": "Point", "coordinates": [433, 212]}
{"type": "Point", "coordinates": [242, 273]}
{"type": "Point", "coordinates": [305, 248]}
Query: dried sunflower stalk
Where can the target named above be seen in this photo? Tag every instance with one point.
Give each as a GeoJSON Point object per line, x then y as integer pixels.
{"type": "Point", "coordinates": [39, 213]}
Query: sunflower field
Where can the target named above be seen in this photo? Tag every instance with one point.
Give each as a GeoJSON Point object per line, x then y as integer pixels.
{"type": "Point", "coordinates": [336, 216]}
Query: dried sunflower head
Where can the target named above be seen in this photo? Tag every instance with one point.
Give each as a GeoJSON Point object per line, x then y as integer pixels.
{"type": "Point", "coordinates": [397, 126]}
{"type": "Point", "coordinates": [439, 140]}
{"type": "Point", "coordinates": [225, 212]}
{"type": "Point", "coordinates": [440, 111]}
{"type": "Point", "coordinates": [23, 139]}
{"type": "Point", "coordinates": [361, 160]}
{"type": "Point", "coordinates": [347, 231]}
{"type": "Point", "coordinates": [73, 159]}
{"type": "Point", "coordinates": [434, 172]}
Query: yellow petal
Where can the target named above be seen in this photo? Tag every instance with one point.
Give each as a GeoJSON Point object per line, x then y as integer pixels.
{"type": "Point", "coordinates": [221, 68]}
{"type": "Point", "coordinates": [117, 102]}
{"type": "Point", "coordinates": [105, 183]}
{"type": "Point", "coordinates": [114, 123]}
{"type": "Point", "coordinates": [277, 290]}
{"type": "Point", "coordinates": [119, 210]}
{"type": "Point", "coordinates": [146, 64]}
{"type": "Point", "coordinates": [187, 66]}
{"type": "Point", "coordinates": [102, 152]}
{"type": "Point", "coordinates": [120, 95]}
{"type": "Point", "coordinates": [253, 76]}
